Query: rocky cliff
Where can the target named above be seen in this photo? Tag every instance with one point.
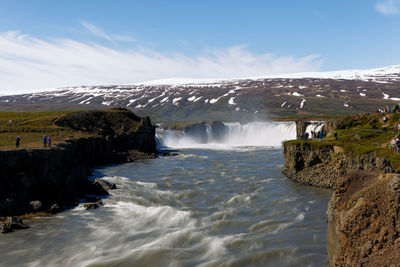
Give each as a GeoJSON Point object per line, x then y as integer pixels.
{"type": "Point", "coordinates": [321, 164]}
{"type": "Point", "coordinates": [60, 174]}
{"type": "Point", "coordinates": [364, 212]}
{"type": "Point", "coordinates": [364, 220]}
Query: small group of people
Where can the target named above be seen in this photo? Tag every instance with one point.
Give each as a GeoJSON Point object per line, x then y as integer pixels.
{"type": "Point", "coordinates": [46, 141]}
{"type": "Point", "coordinates": [387, 110]}
{"type": "Point", "coordinates": [315, 135]}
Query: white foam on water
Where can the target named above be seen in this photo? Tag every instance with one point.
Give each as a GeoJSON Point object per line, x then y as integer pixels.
{"type": "Point", "coordinates": [148, 185]}
{"type": "Point", "coordinates": [239, 199]}
{"type": "Point", "coordinates": [165, 229]}
{"type": "Point", "coordinates": [283, 226]}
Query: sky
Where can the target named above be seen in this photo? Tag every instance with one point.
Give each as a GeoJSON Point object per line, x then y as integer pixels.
{"type": "Point", "coordinates": [48, 44]}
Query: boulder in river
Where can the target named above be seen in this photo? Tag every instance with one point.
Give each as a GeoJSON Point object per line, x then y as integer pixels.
{"type": "Point", "coordinates": [92, 206]}
{"type": "Point", "coordinates": [11, 224]}
{"type": "Point", "coordinates": [104, 184]}
{"type": "Point", "coordinates": [54, 208]}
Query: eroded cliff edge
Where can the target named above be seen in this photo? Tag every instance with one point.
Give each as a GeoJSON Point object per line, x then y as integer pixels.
{"type": "Point", "coordinates": [320, 164]}
{"type": "Point", "coordinates": [60, 174]}
{"type": "Point", "coordinates": [364, 212]}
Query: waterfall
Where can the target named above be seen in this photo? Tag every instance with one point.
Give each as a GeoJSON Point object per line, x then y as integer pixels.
{"type": "Point", "coordinates": [314, 126]}
{"type": "Point", "coordinates": [235, 134]}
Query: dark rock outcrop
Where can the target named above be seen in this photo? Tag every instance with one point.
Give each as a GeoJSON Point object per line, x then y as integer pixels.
{"type": "Point", "coordinates": [60, 174]}
{"type": "Point", "coordinates": [203, 133]}
{"type": "Point", "coordinates": [219, 131]}
{"type": "Point", "coordinates": [197, 131]}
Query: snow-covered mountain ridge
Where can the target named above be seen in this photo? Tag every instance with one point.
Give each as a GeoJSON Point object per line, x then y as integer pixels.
{"type": "Point", "coordinates": [384, 74]}
{"type": "Point", "coordinates": [319, 93]}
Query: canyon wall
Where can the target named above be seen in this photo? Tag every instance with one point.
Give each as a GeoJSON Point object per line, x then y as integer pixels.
{"type": "Point", "coordinates": [59, 175]}
{"type": "Point", "coordinates": [363, 215]}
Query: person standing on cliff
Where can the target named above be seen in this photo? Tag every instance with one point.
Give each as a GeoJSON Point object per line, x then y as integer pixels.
{"type": "Point", "coordinates": [17, 140]}
{"type": "Point", "coordinates": [49, 141]}
{"type": "Point", "coordinates": [44, 141]}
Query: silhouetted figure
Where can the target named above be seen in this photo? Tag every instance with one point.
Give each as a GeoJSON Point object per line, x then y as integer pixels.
{"type": "Point", "coordinates": [44, 141]}
{"type": "Point", "coordinates": [335, 135]}
{"type": "Point", "coordinates": [17, 141]}
{"type": "Point", "coordinates": [395, 108]}
{"type": "Point", "coordinates": [49, 141]}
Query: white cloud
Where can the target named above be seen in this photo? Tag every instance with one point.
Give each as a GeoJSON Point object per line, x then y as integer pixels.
{"type": "Point", "coordinates": [96, 31]}
{"type": "Point", "coordinates": [124, 38]}
{"type": "Point", "coordinates": [28, 64]}
{"type": "Point", "coordinates": [388, 7]}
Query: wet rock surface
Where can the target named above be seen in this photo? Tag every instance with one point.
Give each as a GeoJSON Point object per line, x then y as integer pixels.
{"type": "Point", "coordinates": [92, 206]}
{"type": "Point", "coordinates": [12, 223]}
{"type": "Point", "coordinates": [104, 184]}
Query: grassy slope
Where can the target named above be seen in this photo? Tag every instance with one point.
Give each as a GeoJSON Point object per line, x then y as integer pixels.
{"type": "Point", "coordinates": [363, 134]}
{"type": "Point", "coordinates": [31, 126]}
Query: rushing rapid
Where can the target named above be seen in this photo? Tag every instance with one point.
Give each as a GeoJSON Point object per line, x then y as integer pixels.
{"type": "Point", "coordinates": [204, 207]}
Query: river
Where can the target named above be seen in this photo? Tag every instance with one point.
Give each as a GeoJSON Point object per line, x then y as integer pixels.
{"type": "Point", "coordinates": [230, 206]}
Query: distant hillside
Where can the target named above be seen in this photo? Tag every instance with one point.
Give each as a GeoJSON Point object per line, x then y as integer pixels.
{"type": "Point", "coordinates": [292, 95]}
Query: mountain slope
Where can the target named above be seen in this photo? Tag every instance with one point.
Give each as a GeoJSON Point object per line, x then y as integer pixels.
{"type": "Point", "coordinates": [301, 94]}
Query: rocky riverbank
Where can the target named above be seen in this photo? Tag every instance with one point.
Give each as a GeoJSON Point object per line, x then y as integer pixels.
{"type": "Point", "coordinates": [51, 179]}
{"type": "Point", "coordinates": [321, 164]}
{"type": "Point", "coordinates": [363, 214]}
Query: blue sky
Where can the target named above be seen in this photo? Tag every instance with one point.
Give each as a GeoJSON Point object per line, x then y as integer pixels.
{"type": "Point", "coordinates": [46, 44]}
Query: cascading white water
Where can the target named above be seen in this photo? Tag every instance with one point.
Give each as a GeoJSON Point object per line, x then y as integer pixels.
{"type": "Point", "coordinates": [314, 127]}
{"type": "Point", "coordinates": [253, 134]}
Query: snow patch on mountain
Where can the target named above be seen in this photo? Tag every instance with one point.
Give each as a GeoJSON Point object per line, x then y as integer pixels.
{"type": "Point", "coordinates": [302, 103]}
{"type": "Point", "coordinates": [175, 100]}
{"type": "Point", "coordinates": [385, 96]}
